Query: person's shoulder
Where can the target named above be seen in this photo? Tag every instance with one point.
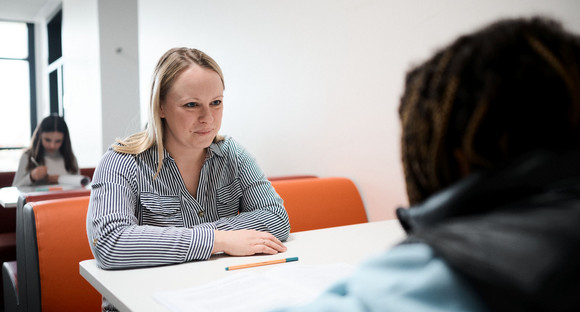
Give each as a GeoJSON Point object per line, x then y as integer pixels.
{"type": "Point", "coordinates": [112, 155]}
{"type": "Point", "coordinates": [230, 147]}
{"type": "Point", "coordinates": [226, 141]}
{"type": "Point", "coordinates": [25, 155]}
{"type": "Point", "coordinates": [116, 163]}
{"type": "Point", "coordinates": [227, 145]}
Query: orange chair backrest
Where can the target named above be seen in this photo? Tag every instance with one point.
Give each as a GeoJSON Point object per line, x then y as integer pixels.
{"type": "Point", "coordinates": [321, 203]}
{"type": "Point", "coordinates": [41, 196]}
{"type": "Point", "coordinates": [20, 236]}
{"type": "Point", "coordinates": [291, 177]}
{"type": "Point", "coordinates": [62, 243]}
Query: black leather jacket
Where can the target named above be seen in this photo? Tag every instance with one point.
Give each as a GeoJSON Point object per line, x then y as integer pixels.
{"type": "Point", "coordinates": [513, 233]}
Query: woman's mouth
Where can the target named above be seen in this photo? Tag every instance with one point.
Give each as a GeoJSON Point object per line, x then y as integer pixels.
{"type": "Point", "coordinates": [203, 132]}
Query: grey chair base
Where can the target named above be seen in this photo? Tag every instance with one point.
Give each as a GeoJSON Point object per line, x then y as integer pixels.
{"type": "Point", "coordinates": [10, 281]}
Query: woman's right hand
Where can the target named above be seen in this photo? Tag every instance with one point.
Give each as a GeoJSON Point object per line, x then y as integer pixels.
{"type": "Point", "coordinates": [246, 243]}
{"type": "Point", "coordinates": [38, 173]}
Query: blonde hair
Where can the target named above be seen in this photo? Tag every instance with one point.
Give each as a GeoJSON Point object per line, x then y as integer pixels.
{"type": "Point", "coordinates": [170, 65]}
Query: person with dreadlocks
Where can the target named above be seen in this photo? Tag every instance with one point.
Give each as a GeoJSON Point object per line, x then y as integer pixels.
{"type": "Point", "coordinates": [491, 156]}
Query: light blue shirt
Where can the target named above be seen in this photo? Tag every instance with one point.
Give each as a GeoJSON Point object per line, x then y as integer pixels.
{"type": "Point", "coordinates": [406, 278]}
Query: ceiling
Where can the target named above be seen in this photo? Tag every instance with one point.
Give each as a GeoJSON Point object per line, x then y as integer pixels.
{"type": "Point", "coordinates": [23, 10]}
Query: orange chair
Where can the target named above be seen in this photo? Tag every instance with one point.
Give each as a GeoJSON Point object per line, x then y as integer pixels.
{"type": "Point", "coordinates": [15, 284]}
{"type": "Point", "coordinates": [55, 233]}
{"type": "Point", "coordinates": [9, 238]}
{"type": "Point", "coordinates": [292, 177]}
{"type": "Point", "coordinates": [321, 203]}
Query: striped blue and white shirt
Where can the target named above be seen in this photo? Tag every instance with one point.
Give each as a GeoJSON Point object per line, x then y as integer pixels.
{"type": "Point", "coordinates": [135, 220]}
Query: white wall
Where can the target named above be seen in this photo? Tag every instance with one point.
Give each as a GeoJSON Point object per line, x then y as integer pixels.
{"type": "Point", "coordinates": [119, 55]}
{"type": "Point", "coordinates": [313, 87]}
{"type": "Point", "coordinates": [41, 56]}
{"type": "Point", "coordinates": [101, 74]}
{"type": "Point", "coordinates": [82, 86]}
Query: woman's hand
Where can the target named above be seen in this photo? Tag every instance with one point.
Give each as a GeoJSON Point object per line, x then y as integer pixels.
{"type": "Point", "coordinates": [38, 173]}
{"type": "Point", "coordinates": [246, 243]}
{"type": "Point", "coordinates": [53, 179]}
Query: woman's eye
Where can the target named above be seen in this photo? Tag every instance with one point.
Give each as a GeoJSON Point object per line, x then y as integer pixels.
{"type": "Point", "coordinates": [190, 104]}
{"type": "Point", "coordinates": [216, 102]}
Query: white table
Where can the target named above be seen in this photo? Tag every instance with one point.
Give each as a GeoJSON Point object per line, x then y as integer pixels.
{"type": "Point", "coordinates": [133, 289]}
{"type": "Point", "coordinates": [9, 195]}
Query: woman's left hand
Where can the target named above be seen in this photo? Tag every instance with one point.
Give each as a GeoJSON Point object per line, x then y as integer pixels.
{"type": "Point", "coordinates": [246, 243]}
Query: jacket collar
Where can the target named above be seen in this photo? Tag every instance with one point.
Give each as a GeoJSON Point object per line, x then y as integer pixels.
{"type": "Point", "coordinates": [482, 191]}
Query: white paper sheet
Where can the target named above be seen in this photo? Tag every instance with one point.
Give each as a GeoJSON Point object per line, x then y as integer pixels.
{"type": "Point", "coordinates": [72, 179]}
{"type": "Point", "coordinates": [284, 286]}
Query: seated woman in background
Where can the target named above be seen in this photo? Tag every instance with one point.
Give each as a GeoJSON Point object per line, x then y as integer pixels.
{"type": "Point", "coordinates": [491, 155]}
{"type": "Point", "coordinates": [49, 155]}
{"type": "Point", "coordinates": [178, 191]}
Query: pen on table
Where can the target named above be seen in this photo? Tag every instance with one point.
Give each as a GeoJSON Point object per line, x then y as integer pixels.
{"type": "Point", "coordinates": [250, 265]}
{"type": "Point", "coordinates": [48, 189]}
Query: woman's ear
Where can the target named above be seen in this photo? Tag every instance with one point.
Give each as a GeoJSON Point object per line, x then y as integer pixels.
{"type": "Point", "coordinates": [161, 111]}
{"type": "Point", "coordinates": [462, 162]}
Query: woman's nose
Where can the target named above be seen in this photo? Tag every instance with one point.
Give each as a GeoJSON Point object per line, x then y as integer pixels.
{"type": "Point", "coordinates": [205, 115]}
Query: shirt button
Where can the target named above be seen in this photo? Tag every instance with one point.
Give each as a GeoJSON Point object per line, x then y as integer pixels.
{"type": "Point", "coordinates": [201, 214]}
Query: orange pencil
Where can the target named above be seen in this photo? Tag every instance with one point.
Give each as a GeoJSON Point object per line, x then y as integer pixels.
{"type": "Point", "coordinates": [250, 265]}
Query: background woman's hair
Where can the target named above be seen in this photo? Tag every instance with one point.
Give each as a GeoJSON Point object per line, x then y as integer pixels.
{"type": "Point", "coordinates": [51, 124]}
{"type": "Point", "coordinates": [168, 68]}
{"type": "Point", "coordinates": [496, 94]}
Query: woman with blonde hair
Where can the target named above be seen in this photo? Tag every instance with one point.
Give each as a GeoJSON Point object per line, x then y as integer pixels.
{"type": "Point", "coordinates": [178, 191]}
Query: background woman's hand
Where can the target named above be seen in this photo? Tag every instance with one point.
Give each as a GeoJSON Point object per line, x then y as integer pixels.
{"type": "Point", "coordinates": [53, 179]}
{"type": "Point", "coordinates": [246, 243]}
{"type": "Point", "coordinates": [38, 173]}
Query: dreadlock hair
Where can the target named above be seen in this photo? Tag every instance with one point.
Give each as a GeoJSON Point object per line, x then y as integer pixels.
{"type": "Point", "coordinates": [496, 94]}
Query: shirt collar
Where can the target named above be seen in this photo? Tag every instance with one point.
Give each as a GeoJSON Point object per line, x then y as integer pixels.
{"type": "Point", "coordinates": [165, 154]}
{"type": "Point", "coordinates": [214, 149]}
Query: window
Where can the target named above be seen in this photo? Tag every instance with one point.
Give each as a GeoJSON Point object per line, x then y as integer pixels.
{"type": "Point", "coordinates": [55, 64]}
{"type": "Point", "coordinates": [17, 96]}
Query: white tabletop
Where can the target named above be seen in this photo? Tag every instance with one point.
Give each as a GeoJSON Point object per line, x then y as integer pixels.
{"type": "Point", "coordinates": [133, 289]}
{"type": "Point", "coordinates": [9, 195]}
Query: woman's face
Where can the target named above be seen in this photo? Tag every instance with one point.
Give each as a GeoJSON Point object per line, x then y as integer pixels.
{"type": "Point", "coordinates": [192, 109]}
{"type": "Point", "coordinates": [51, 141]}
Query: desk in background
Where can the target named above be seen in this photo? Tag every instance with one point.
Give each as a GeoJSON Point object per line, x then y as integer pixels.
{"type": "Point", "coordinates": [9, 195]}
{"type": "Point", "coordinates": [133, 289]}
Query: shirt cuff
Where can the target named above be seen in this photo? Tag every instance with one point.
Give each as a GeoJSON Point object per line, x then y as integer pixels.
{"type": "Point", "coordinates": [202, 238]}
